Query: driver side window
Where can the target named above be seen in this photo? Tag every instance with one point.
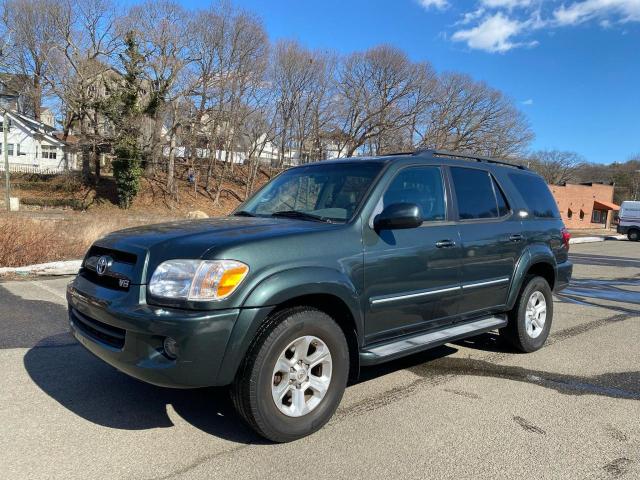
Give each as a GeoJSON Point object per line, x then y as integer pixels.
{"type": "Point", "coordinates": [422, 186]}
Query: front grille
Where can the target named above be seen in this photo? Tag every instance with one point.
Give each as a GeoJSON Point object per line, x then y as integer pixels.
{"type": "Point", "coordinates": [100, 332]}
{"type": "Point", "coordinates": [117, 255]}
{"type": "Point", "coordinates": [119, 273]}
{"type": "Point", "coordinates": [107, 281]}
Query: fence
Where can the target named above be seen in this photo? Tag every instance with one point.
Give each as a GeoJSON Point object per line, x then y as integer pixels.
{"type": "Point", "coordinates": [30, 168]}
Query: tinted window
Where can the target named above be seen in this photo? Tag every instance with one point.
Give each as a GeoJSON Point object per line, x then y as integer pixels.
{"type": "Point", "coordinates": [536, 194]}
{"type": "Point", "coordinates": [474, 192]}
{"type": "Point", "coordinates": [327, 190]}
{"type": "Point", "coordinates": [503, 205]}
{"type": "Point", "coordinates": [422, 186]}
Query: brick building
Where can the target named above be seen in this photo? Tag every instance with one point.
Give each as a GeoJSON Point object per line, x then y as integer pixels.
{"type": "Point", "coordinates": [585, 205]}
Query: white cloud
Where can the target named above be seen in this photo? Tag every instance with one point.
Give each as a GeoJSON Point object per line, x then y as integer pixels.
{"type": "Point", "coordinates": [579, 12]}
{"type": "Point", "coordinates": [501, 25]}
{"type": "Point", "coordinates": [509, 4]}
{"type": "Point", "coordinates": [493, 34]}
{"type": "Point", "coordinates": [528, 101]}
{"type": "Point", "coordinates": [439, 4]}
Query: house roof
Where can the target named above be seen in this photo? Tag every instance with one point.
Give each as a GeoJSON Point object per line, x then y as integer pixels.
{"type": "Point", "coordinates": [33, 126]}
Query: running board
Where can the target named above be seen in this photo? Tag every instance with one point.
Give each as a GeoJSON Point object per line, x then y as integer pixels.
{"type": "Point", "coordinates": [424, 341]}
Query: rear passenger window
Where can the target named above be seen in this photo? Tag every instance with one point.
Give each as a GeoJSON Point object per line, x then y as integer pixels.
{"type": "Point", "coordinates": [503, 206]}
{"type": "Point", "coordinates": [536, 194]}
{"type": "Point", "coordinates": [478, 195]}
{"type": "Point", "coordinates": [421, 186]}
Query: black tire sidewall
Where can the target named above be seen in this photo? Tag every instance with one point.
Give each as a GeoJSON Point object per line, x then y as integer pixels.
{"type": "Point", "coordinates": [633, 235]}
{"type": "Point", "coordinates": [528, 343]}
{"type": "Point", "coordinates": [276, 425]}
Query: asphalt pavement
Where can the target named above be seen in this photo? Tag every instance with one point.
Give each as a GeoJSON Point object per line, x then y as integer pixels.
{"type": "Point", "coordinates": [465, 410]}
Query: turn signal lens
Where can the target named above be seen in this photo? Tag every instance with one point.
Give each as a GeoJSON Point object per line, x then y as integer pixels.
{"type": "Point", "coordinates": [231, 279]}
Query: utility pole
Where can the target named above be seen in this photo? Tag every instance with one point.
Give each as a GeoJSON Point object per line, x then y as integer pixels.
{"type": "Point", "coordinates": [5, 152]}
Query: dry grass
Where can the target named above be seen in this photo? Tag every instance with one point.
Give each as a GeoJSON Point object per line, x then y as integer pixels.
{"type": "Point", "coordinates": [25, 240]}
{"type": "Point", "coordinates": [38, 235]}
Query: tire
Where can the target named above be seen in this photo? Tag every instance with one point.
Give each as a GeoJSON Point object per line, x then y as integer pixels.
{"type": "Point", "coordinates": [633, 235]}
{"type": "Point", "coordinates": [254, 389]}
{"type": "Point", "coordinates": [521, 333]}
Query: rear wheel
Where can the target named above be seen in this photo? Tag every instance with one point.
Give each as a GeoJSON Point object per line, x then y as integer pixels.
{"type": "Point", "coordinates": [633, 235]}
{"type": "Point", "coordinates": [293, 376]}
{"type": "Point", "coordinates": [530, 320]}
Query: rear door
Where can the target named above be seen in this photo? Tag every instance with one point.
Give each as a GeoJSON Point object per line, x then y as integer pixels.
{"type": "Point", "coordinates": [411, 275]}
{"type": "Point", "coordinates": [491, 239]}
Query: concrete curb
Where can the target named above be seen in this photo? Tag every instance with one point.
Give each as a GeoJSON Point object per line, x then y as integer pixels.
{"type": "Point", "coordinates": [69, 267]}
{"type": "Point", "coordinates": [596, 239]}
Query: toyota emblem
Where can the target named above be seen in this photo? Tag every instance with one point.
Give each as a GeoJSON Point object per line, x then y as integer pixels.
{"type": "Point", "coordinates": [103, 265]}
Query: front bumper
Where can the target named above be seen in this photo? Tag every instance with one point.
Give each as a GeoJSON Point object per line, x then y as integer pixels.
{"type": "Point", "coordinates": [128, 335]}
{"type": "Point", "coordinates": [563, 275]}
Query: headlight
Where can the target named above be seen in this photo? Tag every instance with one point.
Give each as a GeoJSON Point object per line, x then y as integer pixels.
{"type": "Point", "coordinates": [197, 280]}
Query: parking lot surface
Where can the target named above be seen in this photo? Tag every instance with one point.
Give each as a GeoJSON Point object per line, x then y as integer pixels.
{"type": "Point", "coordinates": [466, 410]}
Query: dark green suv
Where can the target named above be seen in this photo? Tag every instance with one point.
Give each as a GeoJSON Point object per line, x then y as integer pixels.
{"type": "Point", "coordinates": [329, 267]}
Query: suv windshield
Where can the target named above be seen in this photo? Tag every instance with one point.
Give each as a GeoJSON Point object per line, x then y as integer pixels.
{"type": "Point", "coordinates": [327, 192]}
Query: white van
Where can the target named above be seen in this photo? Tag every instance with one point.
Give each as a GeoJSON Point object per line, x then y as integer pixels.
{"type": "Point", "coordinates": [630, 219]}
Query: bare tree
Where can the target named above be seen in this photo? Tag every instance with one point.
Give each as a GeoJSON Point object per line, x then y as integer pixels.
{"type": "Point", "coordinates": [30, 36]}
{"type": "Point", "coordinates": [293, 75]}
{"type": "Point", "coordinates": [470, 116]}
{"type": "Point", "coordinates": [555, 166]}
{"type": "Point", "coordinates": [81, 67]}
{"type": "Point", "coordinates": [376, 94]}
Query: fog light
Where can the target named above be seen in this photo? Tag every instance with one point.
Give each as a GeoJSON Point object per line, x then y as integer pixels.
{"type": "Point", "coordinates": [170, 348]}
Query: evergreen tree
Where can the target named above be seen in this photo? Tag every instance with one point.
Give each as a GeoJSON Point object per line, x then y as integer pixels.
{"type": "Point", "coordinates": [126, 112]}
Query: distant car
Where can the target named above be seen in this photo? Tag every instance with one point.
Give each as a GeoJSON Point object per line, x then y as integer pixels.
{"type": "Point", "coordinates": [629, 223]}
{"type": "Point", "coordinates": [329, 267]}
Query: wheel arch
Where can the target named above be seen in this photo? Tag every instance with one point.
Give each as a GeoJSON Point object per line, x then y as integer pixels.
{"type": "Point", "coordinates": [536, 260]}
{"type": "Point", "coordinates": [322, 288]}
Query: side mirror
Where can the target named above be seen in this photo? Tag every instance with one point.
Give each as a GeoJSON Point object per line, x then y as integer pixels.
{"type": "Point", "coordinates": [397, 216]}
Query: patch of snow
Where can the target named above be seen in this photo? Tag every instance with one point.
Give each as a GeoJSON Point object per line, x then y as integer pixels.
{"type": "Point", "coordinates": [68, 267]}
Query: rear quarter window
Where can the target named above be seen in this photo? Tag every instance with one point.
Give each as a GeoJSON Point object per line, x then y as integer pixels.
{"type": "Point", "coordinates": [536, 194]}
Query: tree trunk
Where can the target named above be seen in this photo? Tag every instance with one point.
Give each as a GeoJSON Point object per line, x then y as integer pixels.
{"type": "Point", "coordinates": [37, 96]}
{"type": "Point", "coordinates": [171, 163]}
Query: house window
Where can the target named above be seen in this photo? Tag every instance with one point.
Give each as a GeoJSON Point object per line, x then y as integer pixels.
{"type": "Point", "coordinates": [569, 213]}
{"type": "Point", "coordinates": [49, 152]}
{"type": "Point", "coordinates": [599, 216]}
{"type": "Point", "coordinates": [581, 214]}
{"type": "Point", "coordinates": [10, 149]}
{"type": "Point", "coordinates": [2, 126]}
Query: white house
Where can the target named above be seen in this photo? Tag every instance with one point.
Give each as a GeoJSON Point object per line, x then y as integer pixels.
{"type": "Point", "coordinates": [31, 146]}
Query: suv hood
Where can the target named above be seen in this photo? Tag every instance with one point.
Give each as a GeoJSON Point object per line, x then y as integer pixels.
{"type": "Point", "coordinates": [193, 238]}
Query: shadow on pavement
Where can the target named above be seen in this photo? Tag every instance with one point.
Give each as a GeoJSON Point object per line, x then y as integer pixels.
{"type": "Point", "coordinates": [98, 392]}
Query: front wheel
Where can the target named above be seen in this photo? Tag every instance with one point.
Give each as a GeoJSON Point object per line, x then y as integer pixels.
{"type": "Point", "coordinates": [633, 235]}
{"type": "Point", "coordinates": [530, 320]}
{"type": "Point", "coordinates": [294, 375]}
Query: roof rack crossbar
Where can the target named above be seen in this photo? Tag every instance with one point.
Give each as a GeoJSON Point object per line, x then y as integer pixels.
{"type": "Point", "coordinates": [478, 158]}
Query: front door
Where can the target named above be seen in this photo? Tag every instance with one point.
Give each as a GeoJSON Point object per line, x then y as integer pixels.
{"type": "Point", "coordinates": [411, 275]}
{"type": "Point", "coordinates": [491, 242]}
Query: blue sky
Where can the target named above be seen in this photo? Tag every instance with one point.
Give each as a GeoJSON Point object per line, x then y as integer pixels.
{"type": "Point", "coordinates": [573, 66]}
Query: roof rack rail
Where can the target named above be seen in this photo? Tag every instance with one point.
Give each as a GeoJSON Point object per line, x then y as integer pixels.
{"type": "Point", "coordinates": [467, 156]}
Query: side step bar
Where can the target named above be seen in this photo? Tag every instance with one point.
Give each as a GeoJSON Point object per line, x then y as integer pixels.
{"type": "Point", "coordinates": [408, 345]}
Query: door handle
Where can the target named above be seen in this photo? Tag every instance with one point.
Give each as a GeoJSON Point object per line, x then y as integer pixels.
{"type": "Point", "coordinates": [516, 237]}
{"type": "Point", "coordinates": [445, 244]}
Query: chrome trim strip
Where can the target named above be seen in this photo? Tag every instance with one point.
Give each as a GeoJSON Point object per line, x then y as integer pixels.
{"type": "Point", "coordinates": [484, 284]}
{"type": "Point", "coordinates": [376, 301]}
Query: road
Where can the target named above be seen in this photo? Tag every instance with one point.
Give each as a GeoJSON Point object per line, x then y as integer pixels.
{"type": "Point", "coordinates": [466, 410]}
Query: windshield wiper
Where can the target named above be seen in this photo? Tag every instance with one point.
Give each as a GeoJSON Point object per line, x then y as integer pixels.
{"type": "Point", "coordinates": [301, 216]}
{"type": "Point", "coordinates": [244, 213]}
